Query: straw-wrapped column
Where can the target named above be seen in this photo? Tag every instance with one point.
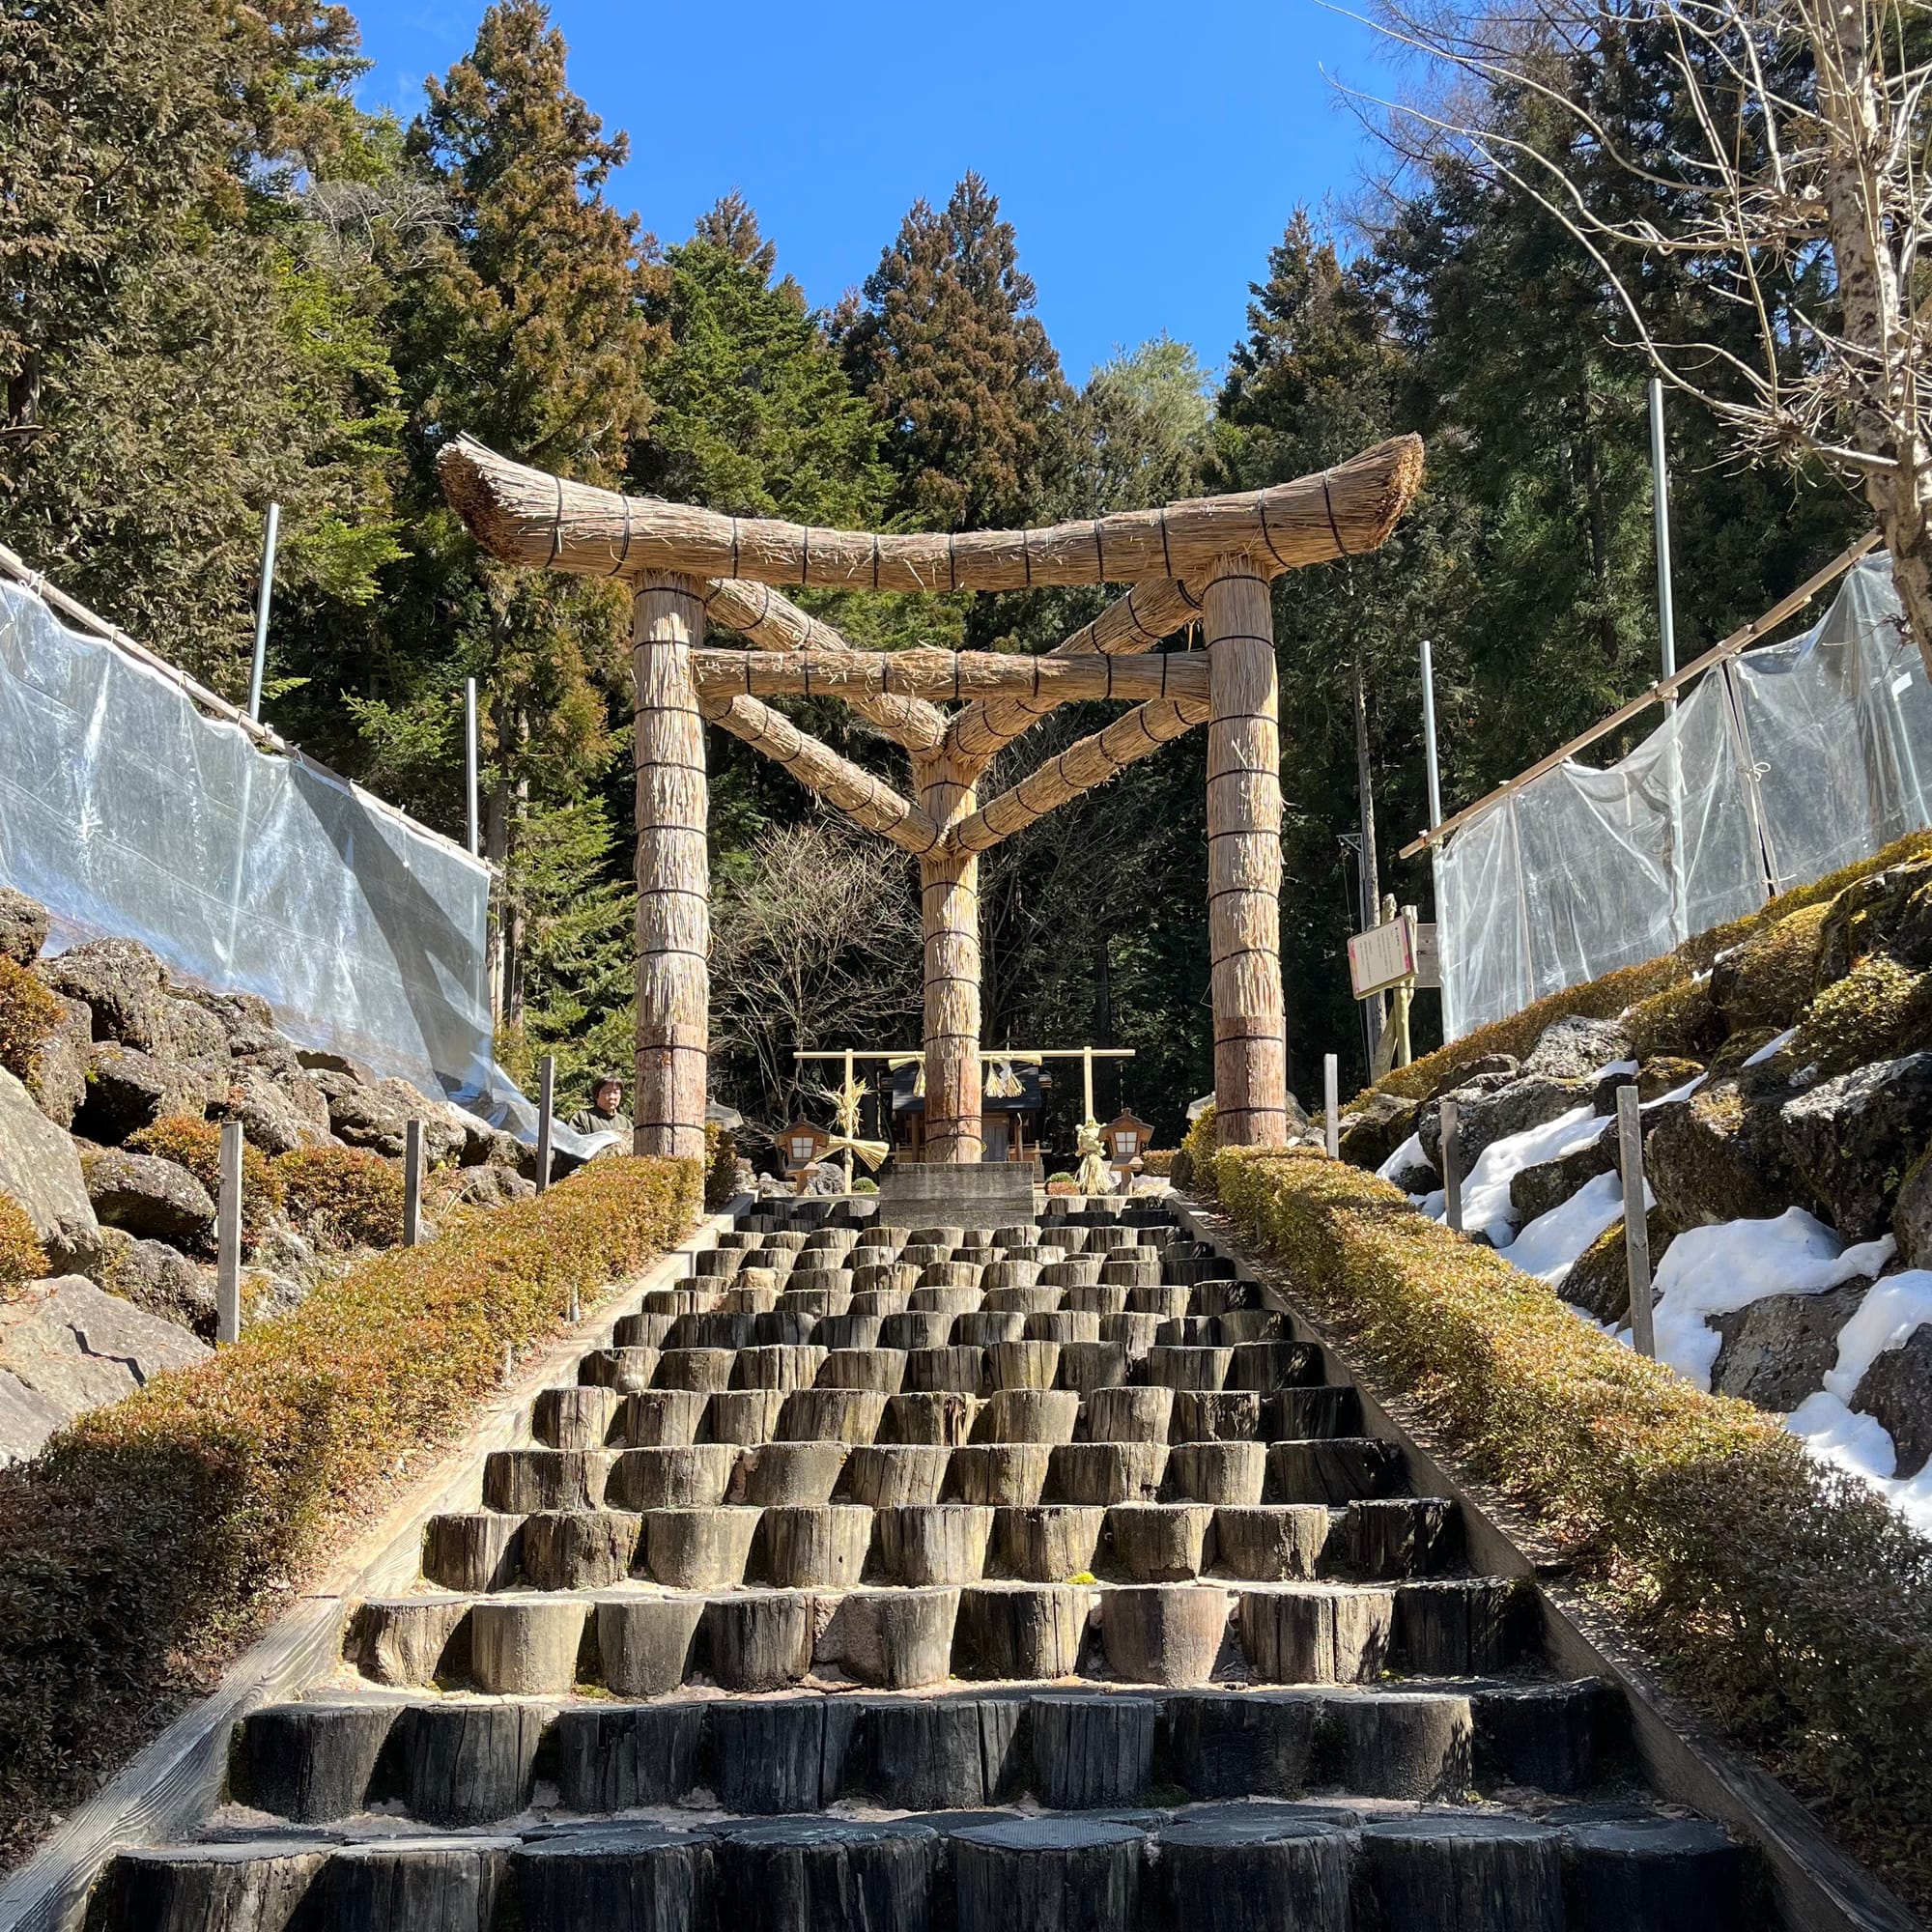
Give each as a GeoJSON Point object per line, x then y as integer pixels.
{"type": "Point", "coordinates": [673, 878]}
{"type": "Point", "coordinates": [1244, 858]}
{"type": "Point", "coordinates": [948, 905]}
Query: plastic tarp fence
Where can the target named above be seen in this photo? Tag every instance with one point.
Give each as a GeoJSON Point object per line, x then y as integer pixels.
{"type": "Point", "coordinates": [125, 811]}
{"type": "Point", "coordinates": [1784, 764]}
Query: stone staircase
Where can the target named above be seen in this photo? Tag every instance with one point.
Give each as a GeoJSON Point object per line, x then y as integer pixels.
{"type": "Point", "coordinates": [1029, 1577]}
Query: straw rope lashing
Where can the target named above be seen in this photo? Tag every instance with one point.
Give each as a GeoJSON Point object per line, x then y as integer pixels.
{"type": "Point", "coordinates": [856, 792]}
{"type": "Point", "coordinates": [854, 675]}
{"type": "Point", "coordinates": [525, 516]}
{"type": "Point", "coordinates": [1137, 622]}
{"type": "Point", "coordinates": [1081, 766]}
{"type": "Point", "coordinates": [759, 613]}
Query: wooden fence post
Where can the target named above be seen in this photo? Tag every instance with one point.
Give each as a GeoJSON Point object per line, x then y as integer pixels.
{"type": "Point", "coordinates": [1331, 1078]}
{"type": "Point", "coordinates": [1636, 1219]}
{"type": "Point", "coordinates": [1452, 1169]}
{"type": "Point", "coordinates": [412, 1153]}
{"type": "Point", "coordinates": [673, 924]}
{"type": "Point", "coordinates": [1244, 858]}
{"type": "Point", "coordinates": [546, 1101]}
{"type": "Point", "coordinates": [228, 1239]}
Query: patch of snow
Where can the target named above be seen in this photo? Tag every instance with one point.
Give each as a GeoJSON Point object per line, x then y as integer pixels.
{"type": "Point", "coordinates": [1409, 1154]}
{"type": "Point", "coordinates": [1618, 1067]}
{"type": "Point", "coordinates": [1436, 1205]}
{"type": "Point", "coordinates": [1716, 1270]}
{"type": "Point", "coordinates": [1859, 1444]}
{"type": "Point", "coordinates": [1681, 1093]}
{"type": "Point", "coordinates": [1486, 1190]}
{"type": "Point", "coordinates": [1548, 1245]}
{"type": "Point", "coordinates": [1885, 1320]}
{"type": "Point", "coordinates": [1772, 1047]}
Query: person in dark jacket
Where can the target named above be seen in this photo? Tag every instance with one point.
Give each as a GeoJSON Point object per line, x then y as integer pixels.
{"type": "Point", "coordinates": [604, 1114]}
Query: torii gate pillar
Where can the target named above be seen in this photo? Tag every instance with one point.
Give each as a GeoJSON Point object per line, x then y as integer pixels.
{"type": "Point", "coordinates": [673, 869]}
{"type": "Point", "coordinates": [948, 910]}
{"type": "Point", "coordinates": [1244, 858]}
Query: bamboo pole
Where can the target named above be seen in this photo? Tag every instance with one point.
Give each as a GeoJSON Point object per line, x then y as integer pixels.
{"type": "Point", "coordinates": [674, 920]}
{"type": "Point", "coordinates": [526, 516]}
{"type": "Point", "coordinates": [1244, 859]}
{"type": "Point", "coordinates": [1136, 622]}
{"type": "Point", "coordinates": [1081, 766]}
{"type": "Point", "coordinates": [948, 905]}
{"type": "Point", "coordinates": [758, 613]}
{"type": "Point", "coordinates": [854, 675]}
{"type": "Point", "coordinates": [856, 792]}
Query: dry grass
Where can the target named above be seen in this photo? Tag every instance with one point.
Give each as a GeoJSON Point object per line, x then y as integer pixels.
{"type": "Point", "coordinates": [21, 1256]}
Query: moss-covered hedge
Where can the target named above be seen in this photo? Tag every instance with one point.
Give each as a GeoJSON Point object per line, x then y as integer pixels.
{"type": "Point", "coordinates": [149, 1542]}
{"type": "Point", "coordinates": [1784, 1598]}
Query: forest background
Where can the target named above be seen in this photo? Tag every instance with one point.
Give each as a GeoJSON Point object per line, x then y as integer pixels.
{"type": "Point", "coordinates": [230, 285]}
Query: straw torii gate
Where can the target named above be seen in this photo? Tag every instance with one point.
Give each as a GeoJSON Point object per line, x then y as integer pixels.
{"type": "Point", "coordinates": [1208, 561]}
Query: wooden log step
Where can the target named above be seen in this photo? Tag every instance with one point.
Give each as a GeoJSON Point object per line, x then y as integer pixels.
{"type": "Point", "coordinates": [811, 1872]}
{"type": "Point", "coordinates": [1276, 1542]}
{"type": "Point", "coordinates": [880, 1303]}
{"type": "Point", "coordinates": [1396, 1744]}
{"type": "Point", "coordinates": [1068, 1236]}
{"type": "Point", "coordinates": [923, 1254]}
{"type": "Point", "coordinates": [1165, 1301]}
{"type": "Point", "coordinates": [310, 1762]}
{"type": "Point", "coordinates": [470, 1763]}
{"type": "Point", "coordinates": [888, 1475]}
{"type": "Point", "coordinates": [1050, 1543]}
{"type": "Point", "coordinates": [696, 1476]}
{"type": "Point", "coordinates": [758, 1639]}
{"type": "Point", "coordinates": [898, 1639]}
{"type": "Point", "coordinates": [1064, 1324]}
{"type": "Point", "coordinates": [1087, 1366]}
{"type": "Point", "coordinates": [472, 1550]}
{"type": "Point", "coordinates": [1108, 1298]}
{"type": "Point", "coordinates": [1142, 1413]}
{"type": "Point", "coordinates": [1215, 1415]}
{"type": "Point", "coordinates": [941, 1753]}
{"type": "Point", "coordinates": [1463, 1627]}
{"type": "Point", "coordinates": [789, 1475]}
{"type": "Point", "coordinates": [408, 1641]}
{"type": "Point", "coordinates": [778, 1368]}
{"type": "Point", "coordinates": [661, 1418]}
{"type": "Point", "coordinates": [880, 1370]}
{"type": "Point", "coordinates": [706, 1370]}
{"type": "Point", "coordinates": [1003, 1277]}
{"type": "Point", "coordinates": [604, 1875]}
{"type": "Point", "coordinates": [1074, 1271]}
{"type": "Point", "coordinates": [1017, 1234]}
{"type": "Point", "coordinates": [1253, 1867]}
{"type": "Point", "coordinates": [1190, 1331]}
{"type": "Point", "coordinates": [1242, 1744]}
{"type": "Point", "coordinates": [623, 1369]}
{"type": "Point", "coordinates": [820, 1303]}
{"type": "Point", "coordinates": [712, 1328]}
{"type": "Point", "coordinates": [1190, 1271]}
{"type": "Point", "coordinates": [777, 1326]}
{"type": "Point", "coordinates": [1039, 1298]}
{"type": "Point", "coordinates": [952, 1284]}
{"type": "Point", "coordinates": [987, 1328]}
{"type": "Point", "coordinates": [1162, 1543]}
{"type": "Point", "coordinates": [250, 1885]}
{"type": "Point", "coordinates": [1268, 1366]}
{"type": "Point", "coordinates": [1476, 1873]}
{"type": "Point", "coordinates": [1242, 1325]}
{"type": "Point", "coordinates": [1106, 1472]}
{"type": "Point", "coordinates": [580, 1550]}
{"type": "Point", "coordinates": [718, 1260]}
{"type": "Point", "coordinates": [779, 1754]}
{"type": "Point", "coordinates": [934, 1415]}
{"type": "Point", "coordinates": [573, 1418]}
{"type": "Point", "coordinates": [1164, 1633]}
{"type": "Point", "coordinates": [647, 1646]}
{"type": "Point", "coordinates": [1028, 1414]}
{"type": "Point", "coordinates": [1336, 1469]}
{"type": "Point", "coordinates": [885, 1277]}
{"type": "Point", "coordinates": [947, 1238]}
{"type": "Point", "coordinates": [1138, 1267]}
{"type": "Point", "coordinates": [700, 1549]}
{"type": "Point", "coordinates": [437, 1884]}
{"type": "Point", "coordinates": [761, 1283]}
{"type": "Point", "coordinates": [1188, 1367]}
{"type": "Point", "coordinates": [940, 1369]}
{"type": "Point", "coordinates": [743, 1417]}
{"type": "Point", "coordinates": [1131, 1332]}
{"type": "Point", "coordinates": [1020, 1631]}
{"type": "Point", "coordinates": [1302, 1414]}
{"type": "Point", "coordinates": [1676, 1874]}
{"type": "Point", "coordinates": [641, 1331]}
{"type": "Point", "coordinates": [1090, 1751]}
{"type": "Point", "coordinates": [1546, 1736]}
{"type": "Point", "coordinates": [805, 1547]}
{"type": "Point", "coordinates": [916, 1329]}
{"type": "Point", "coordinates": [1004, 1475]}
{"type": "Point", "coordinates": [523, 1480]}
{"type": "Point", "coordinates": [1385, 1538]}
{"type": "Point", "coordinates": [832, 1238]}
{"type": "Point", "coordinates": [1023, 1364]}
{"type": "Point", "coordinates": [1223, 1295]}
{"type": "Point", "coordinates": [844, 1416]}
{"type": "Point", "coordinates": [526, 1646]}
{"type": "Point", "coordinates": [933, 1543]}
{"type": "Point", "coordinates": [1316, 1632]}
{"type": "Point", "coordinates": [854, 1332]}
{"type": "Point", "coordinates": [1215, 1472]}
{"type": "Point", "coordinates": [686, 1298]}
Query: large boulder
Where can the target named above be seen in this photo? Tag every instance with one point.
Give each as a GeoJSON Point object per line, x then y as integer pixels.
{"type": "Point", "coordinates": [1890, 911]}
{"type": "Point", "coordinates": [128, 1090]}
{"type": "Point", "coordinates": [1912, 1214]}
{"type": "Point", "coordinates": [1572, 1047]}
{"type": "Point", "coordinates": [1487, 1114]}
{"type": "Point", "coordinates": [41, 1169]}
{"type": "Point", "coordinates": [1776, 1351]}
{"type": "Point", "coordinates": [1484, 1064]}
{"type": "Point", "coordinates": [491, 1187]}
{"type": "Point", "coordinates": [1599, 1278]}
{"type": "Point", "coordinates": [1896, 1392]}
{"type": "Point", "coordinates": [147, 1195]}
{"type": "Point", "coordinates": [159, 1279]}
{"type": "Point", "coordinates": [378, 1117]}
{"type": "Point", "coordinates": [1658, 1076]}
{"type": "Point", "coordinates": [76, 1348]}
{"type": "Point", "coordinates": [1708, 1159]}
{"type": "Point", "coordinates": [120, 982]}
{"type": "Point", "coordinates": [23, 926]}
{"type": "Point", "coordinates": [60, 1067]}
{"type": "Point", "coordinates": [1536, 1190]}
{"type": "Point", "coordinates": [1846, 1141]}
{"type": "Point", "coordinates": [276, 1115]}
{"type": "Point", "coordinates": [1375, 1126]}
{"type": "Point", "coordinates": [234, 1012]}
{"type": "Point", "coordinates": [27, 1418]}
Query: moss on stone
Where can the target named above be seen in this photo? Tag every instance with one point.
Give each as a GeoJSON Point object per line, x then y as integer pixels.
{"type": "Point", "coordinates": [1678, 1023]}
{"type": "Point", "coordinates": [21, 1258]}
{"type": "Point", "coordinates": [1879, 1010]}
{"type": "Point", "coordinates": [1769, 981]}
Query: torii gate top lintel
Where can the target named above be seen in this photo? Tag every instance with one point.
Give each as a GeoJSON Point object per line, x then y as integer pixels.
{"type": "Point", "coordinates": [1206, 560]}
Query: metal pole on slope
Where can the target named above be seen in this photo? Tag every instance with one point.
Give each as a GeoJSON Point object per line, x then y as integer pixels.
{"type": "Point", "coordinates": [1637, 1221]}
{"type": "Point", "coordinates": [469, 763]}
{"type": "Point", "coordinates": [228, 1239]}
{"type": "Point", "coordinates": [412, 1155]}
{"type": "Point", "coordinates": [1452, 1170]}
{"type": "Point", "coordinates": [545, 1100]}
{"type": "Point", "coordinates": [262, 595]}
{"type": "Point", "coordinates": [1659, 512]}
{"type": "Point", "coordinates": [1331, 1103]}
{"type": "Point", "coordinates": [1429, 740]}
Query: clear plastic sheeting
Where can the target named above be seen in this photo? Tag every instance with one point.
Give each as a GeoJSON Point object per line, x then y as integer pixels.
{"type": "Point", "coordinates": [128, 811]}
{"type": "Point", "coordinates": [1784, 764]}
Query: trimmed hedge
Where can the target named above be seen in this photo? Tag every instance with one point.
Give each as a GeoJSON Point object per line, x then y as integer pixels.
{"type": "Point", "coordinates": [342, 1197]}
{"type": "Point", "coordinates": [1784, 1598]}
{"type": "Point", "coordinates": [144, 1547]}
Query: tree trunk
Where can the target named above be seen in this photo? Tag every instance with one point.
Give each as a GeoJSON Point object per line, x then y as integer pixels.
{"type": "Point", "coordinates": [948, 905]}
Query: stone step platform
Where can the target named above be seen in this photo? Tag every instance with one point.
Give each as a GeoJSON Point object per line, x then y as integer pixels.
{"type": "Point", "coordinates": [460, 1762]}
{"type": "Point", "coordinates": [1334, 1866]}
{"type": "Point", "coordinates": [641, 1641]}
{"type": "Point", "coordinates": [861, 1528]}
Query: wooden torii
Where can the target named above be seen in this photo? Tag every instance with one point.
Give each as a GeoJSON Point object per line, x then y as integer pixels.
{"type": "Point", "coordinates": [1208, 560]}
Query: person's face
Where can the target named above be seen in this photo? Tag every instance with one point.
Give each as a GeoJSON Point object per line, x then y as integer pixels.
{"type": "Point", "coordinates": [610, 1097]}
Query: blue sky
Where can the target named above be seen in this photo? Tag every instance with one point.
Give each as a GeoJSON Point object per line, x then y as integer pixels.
{"type": "Point", "coordinates": [1148, 156]}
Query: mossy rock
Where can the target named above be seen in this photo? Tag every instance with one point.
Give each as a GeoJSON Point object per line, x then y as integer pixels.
{"type": "Point", "coordinates": [1708, 1159]}
{"type": "Point", "coordinates": [21, 1256]}
{"type": "Point", "coordinates": [1599, 1279]}
{"type": "Point", "coordinates": [1680, 1022]}
{"type": "Point", "coordinates": [1770, 980]}
{"type": "Point", "coordinates": [1880, 1011]}
{"type": "Point", "coordinates": [1886, 911]}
